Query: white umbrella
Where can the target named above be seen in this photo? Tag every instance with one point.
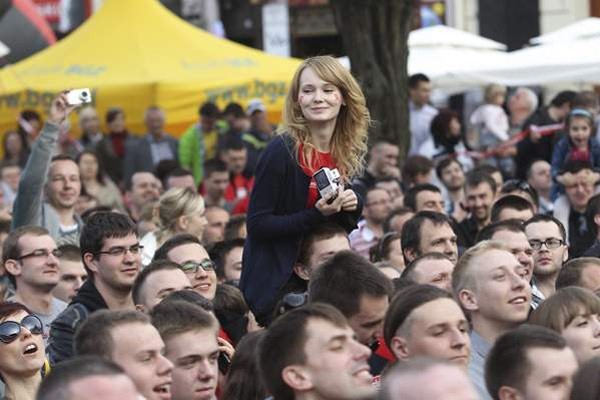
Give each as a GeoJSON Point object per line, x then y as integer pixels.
{"type": "Point", "coordinates": [583, 29]}
{"type": "Point", "coordinates": [4, 50]}
{"type": "Point", "coordinates": [575, 61]}
{"type": "Point", "coordinates": [445, 36]}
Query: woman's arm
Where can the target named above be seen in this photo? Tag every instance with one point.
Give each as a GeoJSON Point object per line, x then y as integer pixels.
{"type": "Point", "coordinates": [269, 186]}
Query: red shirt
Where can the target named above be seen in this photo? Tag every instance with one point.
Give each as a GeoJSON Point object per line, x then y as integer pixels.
{"type": "Point", "coordinates": [239, 188]}
{"type": "Point", "coordinates": [318, 161]}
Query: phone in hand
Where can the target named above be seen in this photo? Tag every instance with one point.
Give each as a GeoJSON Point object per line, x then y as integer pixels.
{"type": "Point", "coordinates": [224, 362]}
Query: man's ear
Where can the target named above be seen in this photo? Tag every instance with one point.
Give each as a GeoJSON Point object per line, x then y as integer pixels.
{"type": "Point", "coordinates": [468, 300]}
{"type": "Point", "coordinates": [410, 254]}
{"type": "Point", "coordinates": [90, 261]}
{"type": "Point", "coordinates": [296, 377]}
{"type": "Point", "coordinates": [13, 267]}
{"type": "Point", "coordinates": [302, 271]}
{"type": "Point", "coordinates": [399, 347]}
{"type": "Point", "coordinates": [141, 308]}
{"type": "Point", "coordinates": [566, 254]}
{"type": "Point", "coordinates": [509, 393]}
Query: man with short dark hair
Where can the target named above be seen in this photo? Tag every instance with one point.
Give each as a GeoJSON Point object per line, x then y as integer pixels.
{"type": "Point", "coordinates": [217, 218]}
{"type": "Point", "coordinates": [109, 335]}
{"type": "Point", "coordinates": [480, 192]}
{"type": "Point", "coordinates": [155, 282]}
{"type": "Point", "coordinates": [546, 235]}
{"type": "Point", "coordinates": [583, 272]}
{"type": "Point", "coordinates": [491, 286]}
{"type": "Point", "coordinates": [450, 172]}
{"type": "Point", "coordinates": [420, 111]}
{"type": "Point", "coordinates": [72, 273]}
{"type": "Point", "coordinates": [397, 218]}
{"type": "Point", "coordinates": [592, 213]}
{"type": "Point", "coordinates": [199, 142]}
{"type": "Point", "coordinates": [111, 255]}
{"type": "Point", "coordinates": [530, 362]}
{"type": "Point", "coordinates": [191, 344]}
{"type": "Point", "coordinates": [87, 377]}
{"type": "Point", "coordinates": [425, 197]}
{"type": "Point", "coordinates": [187, 251]}
{"type": "Point", "coordinates": [417, 170]}
{"type": "Point", "coordinates": [428, 232]}
{"type": "Point", "coordinates": [30, 259]}
{"type": "Point", "coordinates": [235, 156]}
{"type": "Point", "coordinates": [383, 162]}
{"type": "Point", "coordinates": [215, 183]}
{"type": "Point", "coordinates": [426, 321]}
{"type": "Point", "coordinates": [322, 358]}
{"type": "Point", "coordinates": [145, 188]}
{"type": "Point", "coordinates": [433, 269]}
{"type": "Point", "coordinates": [227, 256]}
{"type": "Point", "coordinates": [412, 380]}
{"type": "Point", "coordinates": [376, 209]}
{"type": "Point", "coordinates": [511, 207]}
{"type": "Point", "coordinates": [359, 290]}
{"type": "Point", "coordinates": [180, 178]}
{"type": "Point", "coordinates": [535, 146]}
{"type": "Point", "coordinates": [318, 245]}
{"type": "Point", "coordinates": [393, 187]}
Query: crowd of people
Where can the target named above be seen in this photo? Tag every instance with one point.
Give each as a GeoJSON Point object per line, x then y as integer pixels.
{"type": "Point", "coordinates": [217, 266]}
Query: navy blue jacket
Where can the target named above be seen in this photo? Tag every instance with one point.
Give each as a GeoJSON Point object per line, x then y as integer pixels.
{"type": "Point", "coordinates": [277, 220]}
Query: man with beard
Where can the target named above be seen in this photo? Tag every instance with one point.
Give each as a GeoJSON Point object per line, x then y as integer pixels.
{"type": "Point", "coordinates": [480, 190]}
{"type": "Point", "coordinates": [450, 172]}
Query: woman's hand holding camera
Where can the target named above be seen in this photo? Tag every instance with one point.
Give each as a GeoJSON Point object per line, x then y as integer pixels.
{"type": "Point", "coordinates": [328, 208]}
{"type": "Point", "coordinates": [349, 200]}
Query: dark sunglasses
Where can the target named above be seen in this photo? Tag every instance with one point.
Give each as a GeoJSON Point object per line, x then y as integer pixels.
{"type": "Point", "coordinates": [292, 301]}
{"type": "Point", "coordinates": [10, 330]}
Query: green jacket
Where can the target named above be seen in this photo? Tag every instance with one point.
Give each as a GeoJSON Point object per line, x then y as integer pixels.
{"type": "Point", "coordinates": [191, 152]}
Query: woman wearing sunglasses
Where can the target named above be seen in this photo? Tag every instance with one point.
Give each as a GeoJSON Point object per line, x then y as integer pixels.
{"type": "Point", "coordinates": [22, 353]}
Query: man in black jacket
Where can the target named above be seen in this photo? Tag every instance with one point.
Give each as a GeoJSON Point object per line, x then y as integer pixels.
{"type": "Point", "coordinates": [111, 255]}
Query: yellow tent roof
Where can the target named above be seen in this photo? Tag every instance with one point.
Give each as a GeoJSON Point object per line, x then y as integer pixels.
{"type": "Point", "coordinates": [136, 53]}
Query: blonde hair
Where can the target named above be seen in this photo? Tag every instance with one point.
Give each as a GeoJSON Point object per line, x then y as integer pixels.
{"type": "Point", "coordinates": [349, 141]}
{"type": "Point", "coordinates": [462, 275]}
{"type": "Point", "coordinates": [559, 310]}
{"type": "Point", "coordinates": [172, 205]}
{"type": "Point", "coordinates": [492, 91]}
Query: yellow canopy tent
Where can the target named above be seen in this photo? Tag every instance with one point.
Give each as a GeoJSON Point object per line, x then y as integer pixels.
{"type": "Point", "coordinates": [136, 53]}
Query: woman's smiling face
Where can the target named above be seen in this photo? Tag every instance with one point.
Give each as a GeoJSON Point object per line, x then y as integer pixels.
{"type": "Point", "coordinates": [320, 101]}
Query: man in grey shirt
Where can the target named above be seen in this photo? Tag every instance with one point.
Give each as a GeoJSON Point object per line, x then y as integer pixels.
{"type": "Point", "coordinates": [420, 111]}
{"type": "Point", "coordinates": [58, 177]}
{"type": "Point", "coordinates": [30, 257]}
{"type": "Point", "coordinates": [492, 287]}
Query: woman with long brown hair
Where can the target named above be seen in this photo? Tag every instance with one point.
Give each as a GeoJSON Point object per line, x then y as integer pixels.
{"type": "Point", "coordinates": [325, 126]}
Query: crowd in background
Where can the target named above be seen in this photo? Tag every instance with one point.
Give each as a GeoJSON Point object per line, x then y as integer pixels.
{"type": "Point", "coordinates": [212, 266]}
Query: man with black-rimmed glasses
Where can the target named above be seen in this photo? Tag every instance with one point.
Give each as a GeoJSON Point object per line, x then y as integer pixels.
{"type": "Point", "coordinates": [186, 250]}
{"type": "Point", "coordinates": [547, 237]}
{"type": "Point", "coordinates": [111, 255]}
{"type": "Point", "coordinates": [30, 258]}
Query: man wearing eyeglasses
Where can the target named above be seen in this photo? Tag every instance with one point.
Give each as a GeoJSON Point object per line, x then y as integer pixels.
{"type": "Point", "coordinates": [192, 257]}
{"type": "Point", "coordinates": [378, 205]}
{"type": "Point", "coordinates": [30, 258]}
{"type": "Point", "coordinates": [112, 258]}
{"type": "Point", "coordinates": [546, 236]}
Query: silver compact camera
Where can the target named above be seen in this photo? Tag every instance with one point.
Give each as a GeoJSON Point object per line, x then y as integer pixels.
{"type": "Point", "coordinates": [79, 96]}
{"type": "Point", "coordinates": [328, 181]}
